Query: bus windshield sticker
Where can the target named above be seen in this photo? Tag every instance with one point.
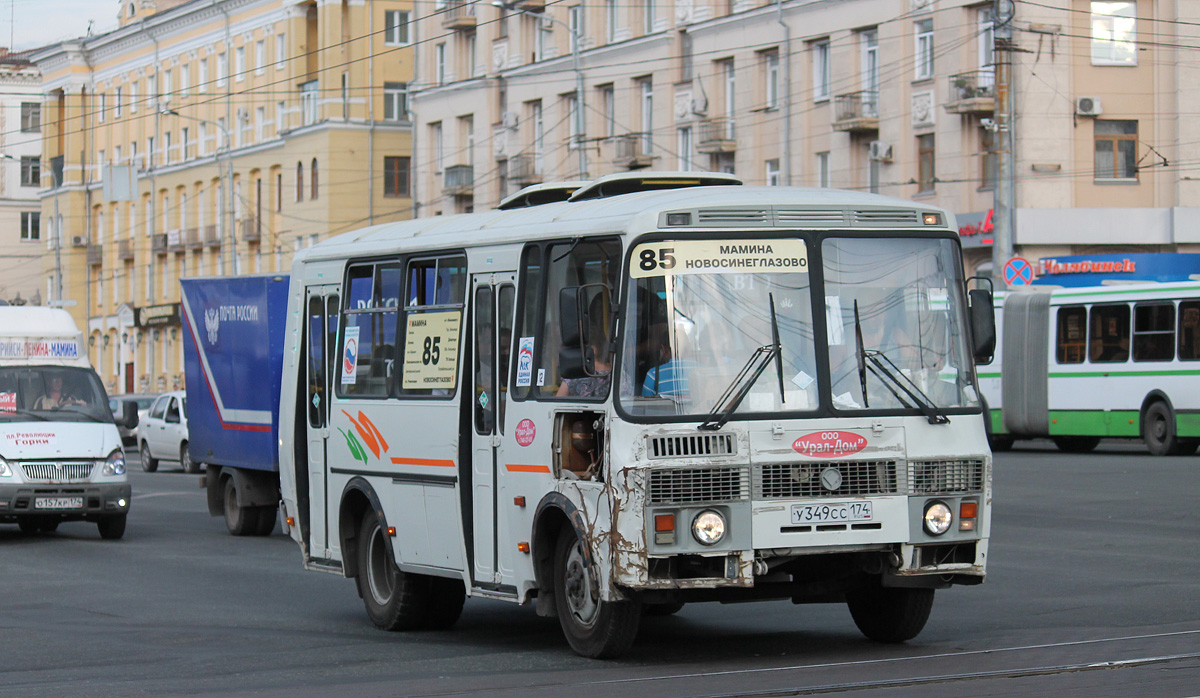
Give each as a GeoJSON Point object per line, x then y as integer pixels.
{"type": "Point", "coordinates": [8, 402]}
{"type": "Point", "coordinates": [350, 357]}
{"type": "Point", "coordinates": [672, 257]}
{"type": "Point", "coordinates": [431, 350]}
{"type": "Point", "coordinates": [525, 362]}
{"type": "Point", "coordinates": [541, 377]}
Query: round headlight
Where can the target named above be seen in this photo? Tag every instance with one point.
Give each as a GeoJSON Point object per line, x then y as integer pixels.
{"type": "Point", "coordinates": [115, 465]}
{"type": "Point", "coordinates": [937, 518]}
{"type": "Point", "coordinates": [4, 471]}
{"type": "Point", "coordinates": [708, 527]}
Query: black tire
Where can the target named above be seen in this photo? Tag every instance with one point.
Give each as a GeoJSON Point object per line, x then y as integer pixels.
{"type": "Point", "coordinates": [1076, 444]}
{"type": "Point", "coordinates": [885, 614]}
{"type": "Point", "coordinates": [185, 460]}
{"type": "Point", "coordinates": [1187, 447]}
{"type": "Point", "coordinates": [241, 521]}
{"type": "Point", "coordinates": [447, 597]}
{"type": "Point", "coordinates": [594, 628]}
{"type": "Point", "coordinates": [149, 464]}
{"type": "Point", "coordinates": [1000, 443]}
{"type": "Point", "coordinates": [394, 600]}
{"type": "Point", "coordinates": [50, 524]}
{"type": "Point", "coordinates": [112, 527]}
{"type": "Point", "coordinates": [1158, 430]}
{"type": "Point", "coordinates": [669, 608]}
{"type": "Point", "coordinates": [265, 525]}
{"type": "Point", "coordinates": [30, 524]}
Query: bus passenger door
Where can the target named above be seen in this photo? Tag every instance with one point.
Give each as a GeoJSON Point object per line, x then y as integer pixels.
{"type": "Point", "coordinates": [321, 339]}
{"type": "Point", "coordinates": [493, 300]}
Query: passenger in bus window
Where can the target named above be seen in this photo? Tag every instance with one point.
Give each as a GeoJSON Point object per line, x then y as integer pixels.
{"type": "Point", "coordinates": [597, 385]}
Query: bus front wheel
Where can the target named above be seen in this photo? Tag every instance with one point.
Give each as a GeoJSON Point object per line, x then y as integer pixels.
{"type": "Point", "coordinates": [594, 628]}
{"type": "Point", "coordinates": [394, 600]}
{"type": "Point", "coordinates": [1158, 431]}
{"type": "Point", "coordinates": [887, 614]}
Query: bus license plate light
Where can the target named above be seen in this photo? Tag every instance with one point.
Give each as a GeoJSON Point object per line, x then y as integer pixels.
{"type": "Point", "coordinates": [844, 512]}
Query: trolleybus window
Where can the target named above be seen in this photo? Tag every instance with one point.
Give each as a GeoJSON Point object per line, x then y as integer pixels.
{"type": "Point", "coordinates": [1189, 331]}
{"type": "Point", "coordinates": [701, 311]}
{"type": "Point", "coordinates": [1071, 342]}
{"type": "Point", "coordinates": [1108, 333]}
{"type": "Point", "coordinates": [897, 337]}
{"type": "Point", "coordinates": [1154, 331]}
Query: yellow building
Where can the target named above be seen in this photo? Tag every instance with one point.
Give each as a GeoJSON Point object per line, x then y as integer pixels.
{"type": "Point", "coordinates": [212, 137]}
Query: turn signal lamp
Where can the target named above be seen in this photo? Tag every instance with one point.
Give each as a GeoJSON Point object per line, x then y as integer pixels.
{"type": "Point", "coordinates": [664, 529]}
{"type": "Point", "coordinates": [967, 513]}
{"type": "Point", "coordinates": [291, 521]}
{"type": "Point", "coordinates": [391, 531]}
{"type": "Point", "coordinates": [523, 547]}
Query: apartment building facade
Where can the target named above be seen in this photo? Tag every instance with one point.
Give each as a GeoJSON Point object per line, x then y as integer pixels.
{"type": "Point", "coordinates": [896, 97]}
{"type": "Point", "coordinates": [212, 137]}
{"type": "Point", "coordinates": [21, 247]}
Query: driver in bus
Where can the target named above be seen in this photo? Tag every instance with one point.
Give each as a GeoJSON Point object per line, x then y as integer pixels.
{"type": "Point", "coordinates": [670, 376]}
{"type": "Point", "coordinates": [55, 398]}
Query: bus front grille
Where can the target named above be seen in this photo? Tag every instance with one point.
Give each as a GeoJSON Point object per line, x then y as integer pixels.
{"type": "Point", "coordinates": [696, 485]}
{"type": "Point", "coordinates": [953, 476]}
{"type": "Point", "coordinates": [689, 445]}
{"type": "Point", "coordinates": [57, 472]}
{"type": "Point", "coordinates": [811, 479]}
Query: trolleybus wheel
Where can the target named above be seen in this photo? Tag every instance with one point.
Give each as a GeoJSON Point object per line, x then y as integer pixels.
{"type": "Point", "coordinates": [886, 614]}
{"type": "Point", "coordinates": [594, 627]}
{"type": "Point", "coordinates": [112, 527]}
{"type": "Point", "coordinates": [445, 604]}
{"type": "Point", "coordinates": [394, 600]}
{"type": "Point", "coordinates": [1159, 430]}
{"type": "Point", "coordinates": [149, 464]}
{"type": "Point", "coordinates": [1076, 444]}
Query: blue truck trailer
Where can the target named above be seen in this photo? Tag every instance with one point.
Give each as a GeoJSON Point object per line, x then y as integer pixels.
{"type": "Point", "coordinates": [233, 360]}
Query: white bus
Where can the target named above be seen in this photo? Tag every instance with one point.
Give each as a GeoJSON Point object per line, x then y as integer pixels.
{"type": "Point", "coordinates": [666, 389]}
{"type": "Point", "coordinates": [1080, 364]}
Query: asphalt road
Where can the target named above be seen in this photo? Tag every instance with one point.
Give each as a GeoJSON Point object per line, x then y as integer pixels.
{"type": "Point", "coordinates": [1093, 589]}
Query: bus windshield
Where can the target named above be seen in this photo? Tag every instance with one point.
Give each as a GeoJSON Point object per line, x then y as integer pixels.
{"type": "Point", "coordinates": [700, 310]}
{"type": "Point", "coordinates": [52, 393]}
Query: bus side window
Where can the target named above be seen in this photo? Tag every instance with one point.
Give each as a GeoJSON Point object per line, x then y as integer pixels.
{"type": "Point", "coordinates": [1108, 340]}
{"type": "Point", "coordinates": [372, 293]}
{"type": "Point", "coordinates": [1154, 332]}
{"type": "Point", "coordinates": [1071, 339]}
{"type": "Point", "coordinates": [1189, 331]}
{"type": "Point", "coordinates": [431, 326]}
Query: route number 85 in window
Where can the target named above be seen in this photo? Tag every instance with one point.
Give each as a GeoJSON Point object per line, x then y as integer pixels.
{"type": "Point", "coordinates": [650, 259]}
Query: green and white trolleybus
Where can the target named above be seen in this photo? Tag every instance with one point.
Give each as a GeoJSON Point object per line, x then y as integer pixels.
{"type": "Point", "coordinates": [614, 398]}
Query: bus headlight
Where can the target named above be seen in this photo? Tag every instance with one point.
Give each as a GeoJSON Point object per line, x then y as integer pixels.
{"type": "Point", "coordinates": [4, 471]}
{"type": "Point", "coordinates": [708, 528]}
{"type": "Point", "coordinates": [938, 518]}
{"type": "Point", "coordinates": [115, 465]}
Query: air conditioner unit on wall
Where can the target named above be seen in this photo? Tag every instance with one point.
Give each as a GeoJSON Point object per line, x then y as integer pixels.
{"type": "Point", "coordinates": [878, 150]}
{"type": "Point", "coordinates": [79, 241]}
{"type": "Point", "coordinates": [1088, 106]}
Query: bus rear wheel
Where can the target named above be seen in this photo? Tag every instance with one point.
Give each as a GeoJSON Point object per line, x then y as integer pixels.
{"type": "Point", "coordinates": [394, 600]}
{"type": "Point", "coordinates": [1077, 444]}
{"type": "Point", "coordinates": [891, 615]}
{"type": "Point", "coordinates": [594, 628]}
{"type": "Point", "coordinates": [1158, 431]}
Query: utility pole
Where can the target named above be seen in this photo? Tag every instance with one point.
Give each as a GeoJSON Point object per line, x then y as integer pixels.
{"type": "Point", "coordinates": [1003, 207]}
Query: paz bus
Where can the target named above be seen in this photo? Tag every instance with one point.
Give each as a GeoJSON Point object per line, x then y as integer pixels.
{"type": "Point", "coordinates": [613, 398]}
{"type": "Point", "coordinates": [1080, 364]}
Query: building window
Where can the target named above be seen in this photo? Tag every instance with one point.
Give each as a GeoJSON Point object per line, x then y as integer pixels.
{"type": "Point", "coordinates": [222, 69]}
{"type": "Point", "coordinates": [184, 79]}
{"type": "Point", "coordinates": [31, 171]}
{"type": "Point", "coordinates": [575, 17]}
{"type": "Point", "coordinates": [1114, 28]}
{"type": "Point", "coordinates": [280, 51]}
{"type": "Point", "coordinates": [101, 107]}
{"type": "Point", "coordinates": [31, 225]}
{"type": "Point", "coordinates": [396, 27]}
{"type": "Point", "coordinates": [685, 148]}
{"type": "Point", "coordinates": [608, 107]}
{"type": "Point", "coordinates": [925, 153]}
{"type": "Point", "coordinates": [395, 101]}
{"type": "Point", "coordinates": [260, 57]}
{"type": "Point", "coordinates": [239, 63]}
{"type": "Point", "coordinates": [308, 102]}
{"type": "Point", "coordinates": [823, 177]}
{"type": "Point", "coordinates": [299, 182]}
{"type": "Point", "coordinates": [923, 60]}
{"type": "Point", "coordinates": [647, 104]}
{"type": "Point", "coordinates": [771, 79]}
{"type": "Point", "coordinates": [649, 15]}
{"type": "Point", "coordinates": [610, 14]}
{"type": "Point", "coordinates": [117, 94]}
{"type": "Point", "coordinates": [1116, 149]}
{"type": "Point", "coordinates": [202, 76]}
{"type": "Point", "coordinates": [315, 180]}
{"type": "Point", "coordinates": [820, 66]}
{"type": "Point", "coordinates": [773, 172]}
{"type": "Point", "coordinates": [439, 64]}
{"type": "Point", "coordinates": [395, 176]}
{"type": "Point", "coordinates": [31, 117]}
{"type": "Point", "coordinates": [870, 67]}
{"type": "Point", "coordinates": [989, 161]}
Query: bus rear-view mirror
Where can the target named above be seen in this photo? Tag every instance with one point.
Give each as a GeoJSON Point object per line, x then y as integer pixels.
{"type": "Point", "coordinates": [983, 325]}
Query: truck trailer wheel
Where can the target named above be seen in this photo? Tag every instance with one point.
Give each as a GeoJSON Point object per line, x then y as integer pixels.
{"type": "Point", "coordinates": [394, 600]}
{"type": "Point", "coordinates": [112, 527]}
{"type": "Point", "coordinates": [240, 520]}
{"type": "Point", "coordinates": [891, 615]}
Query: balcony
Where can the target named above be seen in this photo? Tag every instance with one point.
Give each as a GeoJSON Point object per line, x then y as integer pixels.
{"type": "Point", "coordinates": [524, 169]}
{"type": "Point", "coordinates": [175, 241]}
{"type": "Point", "coordinates": [95, 254]}
{"type": "Point", "coordinates": [212, 238]}
{"type": "Point", "coordinates": [192, 238]}
{"type": "Point", "coordinates": [251, 230]}
{"type": "Point", "coordinates": [632, 151]}
{"type": "Point", "coordinates": [458, 15]}
{"type": "Point", "coordinates": [158, 243]}
{"type": "Point", "coordinates": [459, 181]}
{"type": "Point", "coordinates": [125, 250]}
{"type": "Point", "coordinates": [856, 112]}
{"type": "Point", "coordinates": [972, 93]}
{"type": "Point", "coordinates": [531, 5]}
{"type": "Point", "coordinates": [717, 135]}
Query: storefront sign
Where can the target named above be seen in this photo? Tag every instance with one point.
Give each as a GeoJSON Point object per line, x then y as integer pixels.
{"type": "Point", "coordinates": [1095, 269]}
{"type": "Point", "coordinates": [156, 315]}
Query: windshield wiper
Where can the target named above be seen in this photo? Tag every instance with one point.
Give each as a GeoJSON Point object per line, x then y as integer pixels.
{"type": "Point", "coordinates": [26, 413]}
{"type": "Point", "coordinates": [740, 387]}
{"type": "Point", "coordinates": [861, 354]}
{"type": "Point", "coordinates": [778, 347]}
{"type": "Point", "coordinates": [923, 402]}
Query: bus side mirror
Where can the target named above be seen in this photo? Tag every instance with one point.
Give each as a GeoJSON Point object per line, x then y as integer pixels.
{"type": "Point", "coordinates": [571, 358]}
{"type": "Point", "coordinates": [983, 325]}
{"type": "Point", "coordinates": [129, 414]}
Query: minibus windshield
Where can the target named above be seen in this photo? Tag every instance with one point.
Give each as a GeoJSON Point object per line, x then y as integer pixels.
{"type": "Point", "coordinates": [52, 393]}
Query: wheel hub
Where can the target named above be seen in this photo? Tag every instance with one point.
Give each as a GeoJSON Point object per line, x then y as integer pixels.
{"type": "Point", "coordinates": [580, 587]}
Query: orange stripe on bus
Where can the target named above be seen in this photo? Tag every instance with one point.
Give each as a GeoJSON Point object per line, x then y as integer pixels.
{"type": "Point", "coordinates": [528, 468]}
{"type": "Point", "coordinates": [424, 461]}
